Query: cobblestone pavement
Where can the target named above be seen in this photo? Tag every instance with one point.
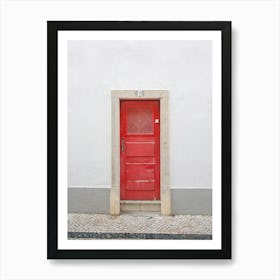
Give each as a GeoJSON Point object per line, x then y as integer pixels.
{"type": "Point", "coordinates": [140, 224]}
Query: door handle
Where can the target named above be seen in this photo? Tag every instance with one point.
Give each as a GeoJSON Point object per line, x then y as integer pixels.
{"type": "Point", "coordinates": [123, 145]}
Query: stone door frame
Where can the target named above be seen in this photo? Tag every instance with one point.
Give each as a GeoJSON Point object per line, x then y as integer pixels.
{"type": "Point", "coordinates": [116, 97]}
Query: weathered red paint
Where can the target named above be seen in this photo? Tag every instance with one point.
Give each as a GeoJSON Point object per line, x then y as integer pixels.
{"type": "Point", "coordinates": [139, 150]}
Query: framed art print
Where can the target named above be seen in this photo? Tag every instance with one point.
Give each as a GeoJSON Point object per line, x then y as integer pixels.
{"type": "Point", "coordinates": [139, 140]}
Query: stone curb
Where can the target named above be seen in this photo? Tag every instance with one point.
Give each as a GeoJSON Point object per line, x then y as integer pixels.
{"type": "Point", "coordinates": [106, 235]}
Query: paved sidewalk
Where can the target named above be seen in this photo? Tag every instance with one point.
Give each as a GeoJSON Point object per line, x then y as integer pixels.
{"type": "Point", "coordinates": [139, 226]}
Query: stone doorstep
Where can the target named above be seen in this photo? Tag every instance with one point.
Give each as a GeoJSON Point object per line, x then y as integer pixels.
{"type": "Point", "coordinates": [140, 206]}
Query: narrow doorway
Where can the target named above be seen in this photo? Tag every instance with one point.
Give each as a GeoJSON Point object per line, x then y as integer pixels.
{"type": "Point", "coordinates": [140, 152]}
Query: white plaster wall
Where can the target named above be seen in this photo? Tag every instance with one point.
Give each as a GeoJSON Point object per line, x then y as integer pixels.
{"type": "Point", "coordinates": [97, 67]}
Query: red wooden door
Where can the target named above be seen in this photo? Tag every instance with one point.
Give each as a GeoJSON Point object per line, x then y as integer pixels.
{"type": "Point", "coordinates": [139, 150]}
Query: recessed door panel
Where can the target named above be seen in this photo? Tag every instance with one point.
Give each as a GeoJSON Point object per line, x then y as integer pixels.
{"type": "Point", "coordinates": [140, 149]}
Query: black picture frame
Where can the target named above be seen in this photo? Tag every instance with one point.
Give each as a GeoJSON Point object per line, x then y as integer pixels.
{"type": "Point", "coordinates": [52, 128]}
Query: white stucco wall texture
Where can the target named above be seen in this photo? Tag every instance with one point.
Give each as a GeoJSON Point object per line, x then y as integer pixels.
{"type": "Point", "coordinates": [184, 68]}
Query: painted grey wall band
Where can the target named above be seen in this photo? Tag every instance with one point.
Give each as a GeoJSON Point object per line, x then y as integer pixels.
{"type": "Point", "coordinates": [162, 96]}
{"type": "Point", "coordinates": [96, 201]}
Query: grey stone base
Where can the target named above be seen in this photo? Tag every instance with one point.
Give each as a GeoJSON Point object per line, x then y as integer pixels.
{"type": "Point", "coordinates": [191, 201]}
{"type": "Point", "coordinates": [97, 201]}
{"type": "Point", "coordinates": [89, 200]}
{"type": "Point", "coordinates": [106, 235]}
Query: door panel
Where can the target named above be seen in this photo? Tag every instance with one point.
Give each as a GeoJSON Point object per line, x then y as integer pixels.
{"type": "Point", "coordinates": [140, 172]}
{"type": "Point", "coordinates": [139, 150]}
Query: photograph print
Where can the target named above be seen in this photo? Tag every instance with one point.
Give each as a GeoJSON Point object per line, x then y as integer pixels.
{"type": "Point", "coordinates": [139, 140]}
